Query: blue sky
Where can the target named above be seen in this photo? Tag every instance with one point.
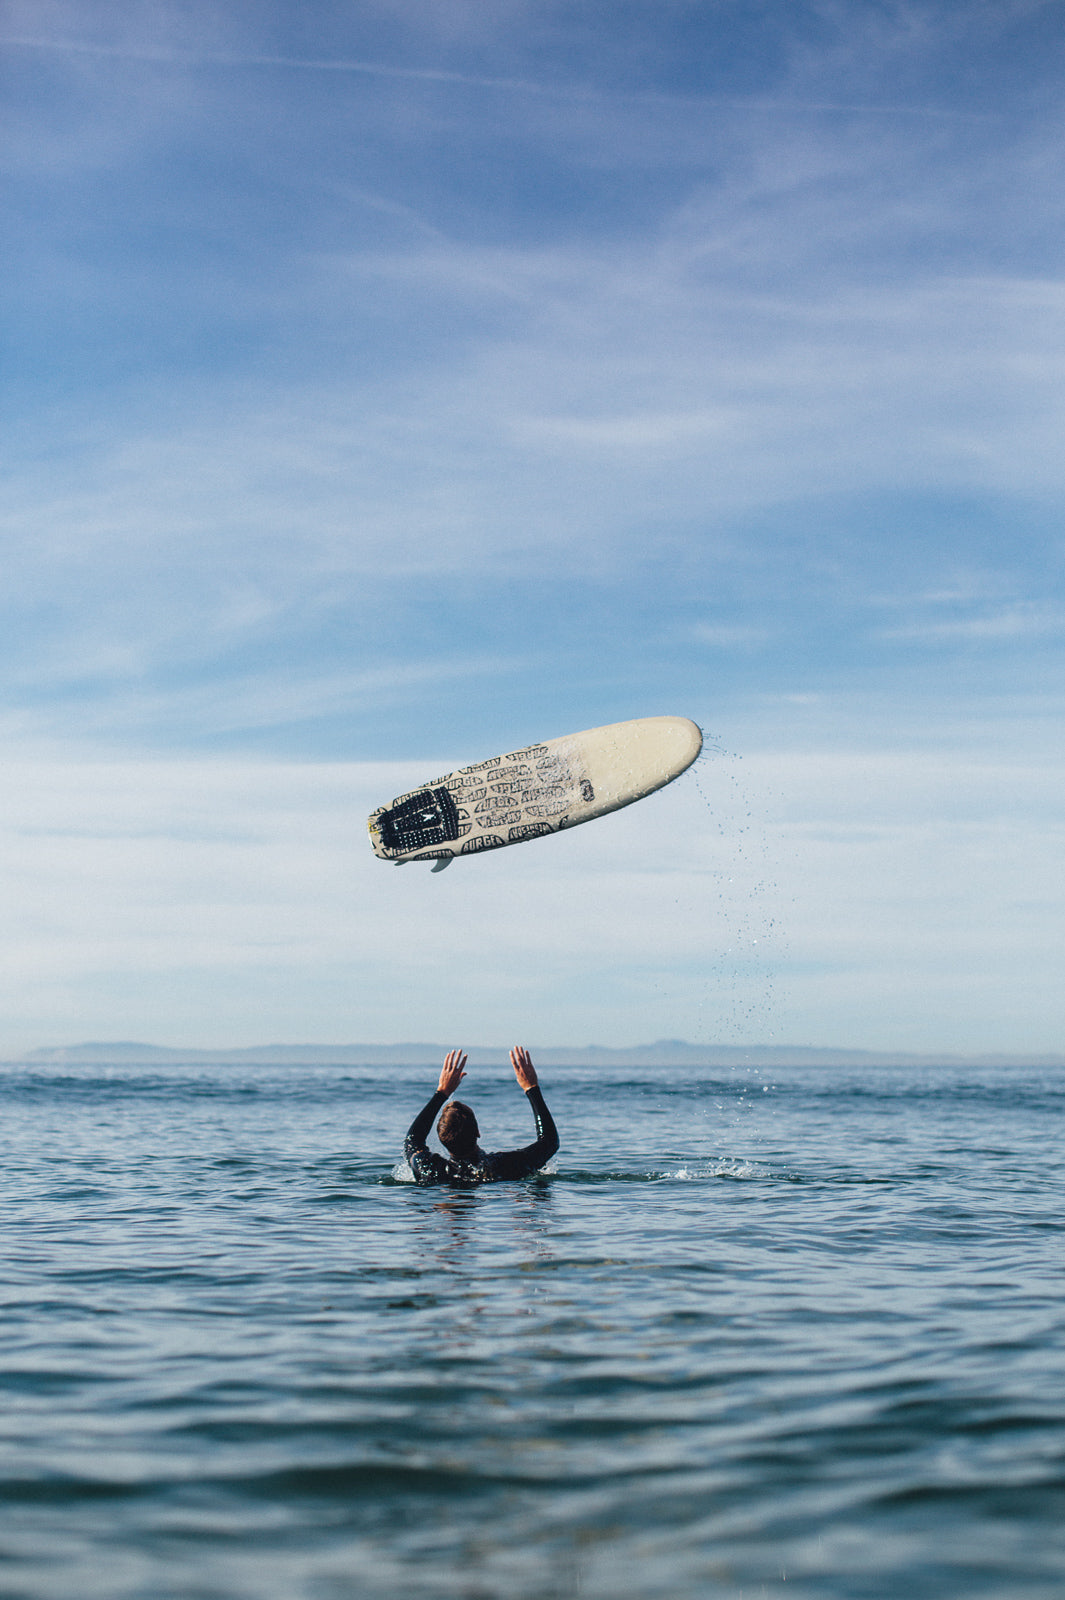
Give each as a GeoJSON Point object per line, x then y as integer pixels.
{"type": "Point", "coordinates": [389, 385]}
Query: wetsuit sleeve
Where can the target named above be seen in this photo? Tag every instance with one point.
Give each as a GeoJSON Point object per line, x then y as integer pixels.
{"type": "Point", "coordinates": [425, 1165]}
{"type": "Point", "coordinates": [523, 1163]}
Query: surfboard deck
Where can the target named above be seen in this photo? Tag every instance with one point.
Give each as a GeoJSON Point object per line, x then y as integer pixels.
{"type": "Point", "coordinates": [534, 791]}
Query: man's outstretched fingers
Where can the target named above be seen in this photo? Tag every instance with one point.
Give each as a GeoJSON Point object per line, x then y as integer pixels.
{"type": "Point", "coordinates": [524, 1071]}
{"type": "Point", "coordinates": [451, 1073]}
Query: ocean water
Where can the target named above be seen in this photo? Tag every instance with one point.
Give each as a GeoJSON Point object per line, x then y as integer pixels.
{"type": "Point", "coordinates": [762, 1332]}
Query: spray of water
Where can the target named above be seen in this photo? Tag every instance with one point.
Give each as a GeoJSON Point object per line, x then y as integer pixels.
{"type": "Point", "coordinates": [740, 988]}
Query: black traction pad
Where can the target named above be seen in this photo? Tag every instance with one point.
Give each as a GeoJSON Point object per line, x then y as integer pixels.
{"type": "Point", "coordinates": [424, 819]}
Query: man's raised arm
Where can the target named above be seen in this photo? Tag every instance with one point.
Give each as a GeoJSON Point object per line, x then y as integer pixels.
{"type": "Point", "coordinates": [522, 1163]}
{"type": "Point", "coordinates": [451, 1075]}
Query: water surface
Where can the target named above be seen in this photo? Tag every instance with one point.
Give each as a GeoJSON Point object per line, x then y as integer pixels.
{"type": "Point", "coordinates": [761, 1332]}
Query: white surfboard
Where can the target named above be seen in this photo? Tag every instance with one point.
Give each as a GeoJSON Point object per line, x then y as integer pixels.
{"type": "Point", "coordinates": [534, 791]}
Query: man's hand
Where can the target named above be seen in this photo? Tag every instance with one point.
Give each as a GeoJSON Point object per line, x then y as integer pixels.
{"type": "Point", "coordinates": [451, 1073]}
{"type": "Point", "coordinates": [524, 1071]}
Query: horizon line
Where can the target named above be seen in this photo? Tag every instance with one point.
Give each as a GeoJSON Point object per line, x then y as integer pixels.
{"type": "Point", "coordinates": [418, 1052]}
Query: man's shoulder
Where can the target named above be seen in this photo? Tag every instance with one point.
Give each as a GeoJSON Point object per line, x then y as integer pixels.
{"type": "Point", "coordinates": [428, 1167]}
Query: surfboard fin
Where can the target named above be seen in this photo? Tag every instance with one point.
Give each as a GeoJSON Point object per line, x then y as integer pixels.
{"type": "Point", "coordinates": [441, 862]}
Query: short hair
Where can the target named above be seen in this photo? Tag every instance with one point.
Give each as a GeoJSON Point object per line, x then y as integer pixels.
{"type": "Point", "coordinates": [457, 1128]}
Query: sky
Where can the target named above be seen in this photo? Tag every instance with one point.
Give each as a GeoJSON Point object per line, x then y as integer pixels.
{"type": "Point", "coordinates": [387, 386]}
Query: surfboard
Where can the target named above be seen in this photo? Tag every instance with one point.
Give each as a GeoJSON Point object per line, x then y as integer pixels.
{"type": "Point", "coordinates": [535, 791]}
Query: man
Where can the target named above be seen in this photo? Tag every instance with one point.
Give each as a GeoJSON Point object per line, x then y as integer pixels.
{"type": "Point", "coordinates": [458, 1132]}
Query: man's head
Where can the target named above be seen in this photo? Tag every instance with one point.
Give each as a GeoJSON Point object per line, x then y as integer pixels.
{"type": "Point", "coordinates": [457, 1129]}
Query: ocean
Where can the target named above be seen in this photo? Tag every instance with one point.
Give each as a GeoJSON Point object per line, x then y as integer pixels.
{"type": "Point", "coordinates": [761, 1331]}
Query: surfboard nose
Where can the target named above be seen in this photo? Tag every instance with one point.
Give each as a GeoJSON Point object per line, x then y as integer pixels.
{"type": "Point", "coordinates": [686, 737]}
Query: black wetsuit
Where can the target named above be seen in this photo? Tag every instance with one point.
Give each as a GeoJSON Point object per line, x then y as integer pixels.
{"type": "Point", "coordinates": [428, 1167]}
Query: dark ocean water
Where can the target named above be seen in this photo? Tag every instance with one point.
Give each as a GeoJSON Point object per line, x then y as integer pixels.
{"type": "Point", "coordinates": [762, 1333]}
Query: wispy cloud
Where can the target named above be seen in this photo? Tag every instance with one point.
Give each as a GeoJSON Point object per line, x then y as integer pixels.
{"type": "Point", "coordinates": [216, 58]}
{"type": "Point", "coordinates": [731, 635]}
{"type": "Point", "coordinates": [646, 432]}
{"type": "Point", "coordinates": [138, 47]}
{"type": "Point", "coordinates": [246, 512]}
{"type": "Point", "coordinates": [110, 699]}
{"type": "Point", "coordinates": [1012, 623]}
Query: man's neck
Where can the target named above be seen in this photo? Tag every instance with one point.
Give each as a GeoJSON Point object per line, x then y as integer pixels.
{"type": "Point", "coordinates": [467, 1158]}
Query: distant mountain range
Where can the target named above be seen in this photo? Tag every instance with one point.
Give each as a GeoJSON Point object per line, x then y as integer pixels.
{"type": "Point", "coordinates": [663, 1053]}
